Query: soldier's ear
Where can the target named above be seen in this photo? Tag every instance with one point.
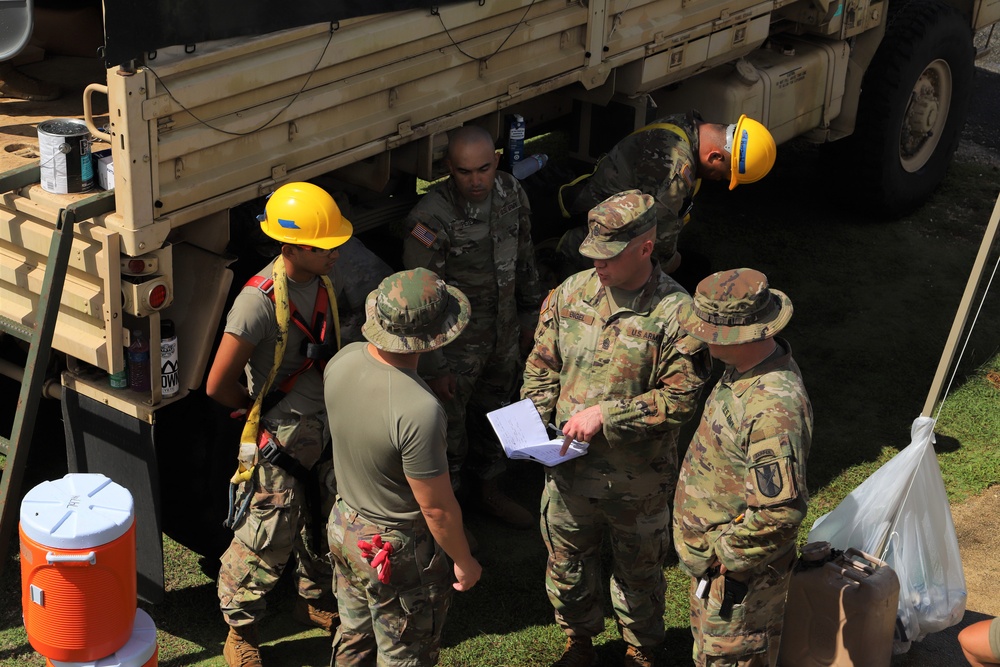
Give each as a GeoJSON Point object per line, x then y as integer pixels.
{"type": "Point", "coordinates": [716, 157]}
{"type": "Point", "coordinates": [646, 249]}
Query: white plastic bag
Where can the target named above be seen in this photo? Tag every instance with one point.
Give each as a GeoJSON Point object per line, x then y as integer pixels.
{"type": "Point", "coordinates": [901, 514]}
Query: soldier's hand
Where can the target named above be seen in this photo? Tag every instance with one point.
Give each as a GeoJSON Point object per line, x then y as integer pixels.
{"type": "Point", "coordinates": [444, 387]}
{"type": "Point", "coordinates": [581, 427]}
{"type": "Point", "coordinates": [467, 575]}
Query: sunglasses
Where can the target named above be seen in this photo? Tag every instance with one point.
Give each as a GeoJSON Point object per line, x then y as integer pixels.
{"type": "Point", "coordinates": [321, 251]}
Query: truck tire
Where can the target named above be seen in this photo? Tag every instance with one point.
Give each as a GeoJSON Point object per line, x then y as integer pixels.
{"type": "Point", "coordinates": [914, 100]}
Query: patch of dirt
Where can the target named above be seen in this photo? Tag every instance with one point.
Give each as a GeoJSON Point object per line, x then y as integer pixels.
{"type": "Point", "coordinates": [19, 118]}
{"type": "Point", "coordinates": [979, 542]}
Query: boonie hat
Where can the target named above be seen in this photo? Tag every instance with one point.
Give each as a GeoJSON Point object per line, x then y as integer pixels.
{"type": "Point", "coordinates": [733, 307]}
{"type": "Point", "coordinates": [414, 311]}
{"type": "Point", "coordinates": [616, 221]}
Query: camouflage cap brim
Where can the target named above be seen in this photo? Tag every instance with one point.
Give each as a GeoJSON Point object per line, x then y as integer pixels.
{"type": "Point", "coordinates": [613, 223]}
{"type": "Point", "coordinates": [594, 249]}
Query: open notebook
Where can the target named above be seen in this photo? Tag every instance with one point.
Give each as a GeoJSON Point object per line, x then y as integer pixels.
{"type": "Point", "coordinates": [523, 435]}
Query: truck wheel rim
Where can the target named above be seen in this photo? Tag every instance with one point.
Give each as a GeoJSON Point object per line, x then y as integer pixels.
{"type": "Point", "coordinates": [926, 116]}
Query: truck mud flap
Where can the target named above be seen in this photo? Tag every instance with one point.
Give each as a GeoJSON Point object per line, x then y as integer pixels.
{"type": "Point", "coordinates": [102, 439]}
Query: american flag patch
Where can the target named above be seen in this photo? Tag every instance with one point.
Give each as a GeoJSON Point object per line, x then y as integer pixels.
{"type": "Point", "coordinates": [423, 234]}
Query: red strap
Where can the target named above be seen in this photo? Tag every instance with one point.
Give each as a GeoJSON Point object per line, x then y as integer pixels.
{"type": "Point", "coordinates": [315, 333]}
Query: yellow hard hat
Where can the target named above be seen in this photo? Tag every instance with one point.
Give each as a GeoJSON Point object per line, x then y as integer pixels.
{"type": "Point", "coordinates": [751, 149]}
{"type": "Point", "coordinates": [303, 213]}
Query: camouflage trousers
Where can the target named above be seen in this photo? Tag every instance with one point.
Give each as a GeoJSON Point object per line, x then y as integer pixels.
{"type": "Point", "coordinates": [274, 528]}
{"type": "Point", "coordinates": [750, 638]}
{"type": "Point", "coordinates": [398, 623]}
{"type": "Point", "coordinates": [486, 374]}
{"type": "Point", "coordinates": [573, 529]}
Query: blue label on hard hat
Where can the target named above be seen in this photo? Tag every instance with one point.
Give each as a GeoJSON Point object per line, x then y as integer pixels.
{"type": "Point", "coordinates": [744, 140]}
{"type": "Point", "coordinates": [287, 224]}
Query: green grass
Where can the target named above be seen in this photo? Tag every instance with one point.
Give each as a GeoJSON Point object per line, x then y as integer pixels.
{"type": "Point", "coordinates": [874, 302]}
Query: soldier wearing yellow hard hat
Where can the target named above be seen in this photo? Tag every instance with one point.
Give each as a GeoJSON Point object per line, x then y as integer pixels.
{"type": "Point", "coordinates": [667, 159]}
{"type": "Point", "coordinates": [282, 328]}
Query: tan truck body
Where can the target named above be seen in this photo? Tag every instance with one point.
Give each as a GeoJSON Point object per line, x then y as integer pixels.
{"type": "Point", "coordinates": [197, 131]}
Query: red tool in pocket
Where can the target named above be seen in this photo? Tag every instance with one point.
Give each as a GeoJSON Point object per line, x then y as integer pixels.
{"type": "Point", "coordinates": [377, 554]}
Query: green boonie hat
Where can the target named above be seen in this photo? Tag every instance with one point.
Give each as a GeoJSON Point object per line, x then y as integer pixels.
{"type": "Point", "coordinates": [733, 307]}
{"type": "Point", "coordinates": [616, 221]}
{"type": "Point", "coordinates": [414, 311]}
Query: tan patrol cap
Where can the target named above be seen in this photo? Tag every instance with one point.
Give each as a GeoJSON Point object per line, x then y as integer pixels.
{"type": "Point", "coordinates": [616, 221]}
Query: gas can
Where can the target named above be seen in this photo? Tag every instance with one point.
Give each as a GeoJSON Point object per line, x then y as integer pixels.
{"type": "Point", "coordinates": [78, 576]}
{"type": "Point", "coordinates": [840, 611]}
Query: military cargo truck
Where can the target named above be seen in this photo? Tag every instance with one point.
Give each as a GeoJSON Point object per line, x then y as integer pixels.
{"type": "Point", "coordinates": [207, 113]}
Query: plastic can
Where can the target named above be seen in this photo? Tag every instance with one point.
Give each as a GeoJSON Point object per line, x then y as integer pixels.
{"type": "Point", "coordinates": [78, 572]}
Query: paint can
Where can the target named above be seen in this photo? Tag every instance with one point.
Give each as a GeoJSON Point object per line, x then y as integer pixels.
{"type": "Point", "coordinates": [65, 162]}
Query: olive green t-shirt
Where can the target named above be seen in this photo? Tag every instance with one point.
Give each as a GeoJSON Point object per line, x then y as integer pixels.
{"type": "Point", "coordinates": [386, 425]}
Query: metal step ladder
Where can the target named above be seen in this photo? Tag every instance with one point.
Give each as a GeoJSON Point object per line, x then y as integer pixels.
{"type": "Point", "coordinates": [39, 339]}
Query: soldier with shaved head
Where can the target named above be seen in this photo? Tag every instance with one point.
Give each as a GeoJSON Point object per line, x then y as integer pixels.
{"type": "Point", "coordinates": [474, 230]}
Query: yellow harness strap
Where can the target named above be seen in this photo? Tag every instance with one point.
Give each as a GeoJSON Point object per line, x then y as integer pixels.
{"type": "Point", "coordinates": [669, 127]}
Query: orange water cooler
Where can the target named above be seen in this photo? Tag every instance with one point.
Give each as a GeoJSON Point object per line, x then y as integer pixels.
{"type": "Point", "coordinates": [140, 651]}
{"type": "Point", "coordinates": [78, 581]}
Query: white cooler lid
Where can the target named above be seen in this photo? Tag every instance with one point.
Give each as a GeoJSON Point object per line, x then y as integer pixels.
{"type": "Point", "coordinates": [79, 511]}
{"type": "Point", "coordinates": [136, 652]}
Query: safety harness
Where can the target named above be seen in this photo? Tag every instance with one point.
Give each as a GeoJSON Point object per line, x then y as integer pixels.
{"type": "Point", "coordinates": [317, 350]}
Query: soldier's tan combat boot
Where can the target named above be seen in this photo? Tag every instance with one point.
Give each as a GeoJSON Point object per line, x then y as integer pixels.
{"type": "Point", "coordinates": [640, 657]}
{"type": "Point", "coordinates": [579, 653]}
{"type": "Point", "coordinates": [496, 503]}
{"type": "Point", "coordinates": [307, 613]}
{"type": "Point", "coordinates": [242, 647]}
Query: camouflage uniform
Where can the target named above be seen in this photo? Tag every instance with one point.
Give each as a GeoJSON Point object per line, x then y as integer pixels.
{"type": "Point", "coordinates": [655, 160]}
{"type": "Point", "coordinates": [645, 374]}
{"type": "Point", "coordinates": [408, 615]}
{"type": "Point", "coordinates": [278, 520]}
{"type": "Point", "coordinates": [277, 524]}
{"type": "Point", "coordinates": [741, 497]}
{"type": "Point", "coordinates": [492, 262]}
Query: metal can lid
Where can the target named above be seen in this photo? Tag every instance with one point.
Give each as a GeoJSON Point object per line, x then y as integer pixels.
{"type": "Point", "coordinates": [79, 511]}
{"type": "Point", "coordinates": [67, 127]}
